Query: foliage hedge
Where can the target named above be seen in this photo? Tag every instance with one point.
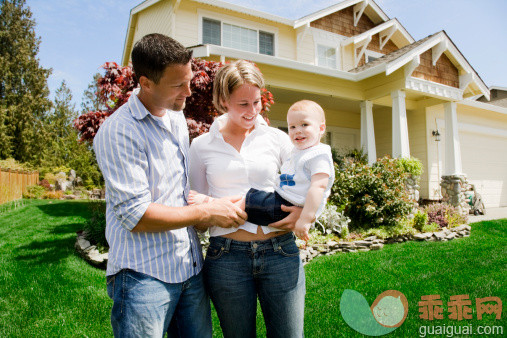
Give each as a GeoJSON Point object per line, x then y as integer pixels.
{"type": "Point", "coordinates": [371, 196]}
{"type": "Point", "coordinates": [95, 226]}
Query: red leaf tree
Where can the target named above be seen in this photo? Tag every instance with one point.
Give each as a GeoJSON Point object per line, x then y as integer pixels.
{"type": "Point", "coordinates": [117, 84]}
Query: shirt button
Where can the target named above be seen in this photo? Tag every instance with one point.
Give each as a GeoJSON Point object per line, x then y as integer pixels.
{"type": "Point", "coordinates": [255, 245]}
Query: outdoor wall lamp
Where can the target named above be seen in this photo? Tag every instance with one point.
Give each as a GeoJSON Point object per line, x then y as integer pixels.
{"type": "Point", "coordinates": [436, 134]}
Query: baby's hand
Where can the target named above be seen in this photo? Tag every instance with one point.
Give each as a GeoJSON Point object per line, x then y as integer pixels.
{"type": "Point", "coordinates": [301, 230]}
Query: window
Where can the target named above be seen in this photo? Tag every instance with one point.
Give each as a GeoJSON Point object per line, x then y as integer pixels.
{"type": "Point", "coordinates": [266, 43]}
{"type": "Point", "coordinates": [370, 56]}
{"type": "Point", "coordinates": [223, 34]}
{"type": "Point", "coordinates": [211, 32]}
{"type": "Point", "coordinates": [326, 56]}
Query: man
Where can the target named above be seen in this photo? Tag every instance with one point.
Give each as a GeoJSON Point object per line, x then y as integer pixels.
{"type": "Point", "coordinates": [155, 259]}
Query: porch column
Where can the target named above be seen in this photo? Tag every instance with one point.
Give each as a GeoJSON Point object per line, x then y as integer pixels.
{"type": "Point", "coordinates": [452, 149]}
{"type": "Point", "coordinates": [400, 128]}
{"type": "Point", "coordinates": [368, 131]}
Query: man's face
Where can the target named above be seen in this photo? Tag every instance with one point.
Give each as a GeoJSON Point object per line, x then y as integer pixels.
{"type": "Point", "coordinates": [173, 88]}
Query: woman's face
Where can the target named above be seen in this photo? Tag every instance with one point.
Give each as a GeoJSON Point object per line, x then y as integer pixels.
{"type": "Point", "coordinates": [244, 105]}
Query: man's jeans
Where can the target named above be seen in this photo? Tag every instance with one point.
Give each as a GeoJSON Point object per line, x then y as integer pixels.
{"type": "Point", "coordinates": [147, 307]}
{"type": "Point", "coordinates": [236, 273]}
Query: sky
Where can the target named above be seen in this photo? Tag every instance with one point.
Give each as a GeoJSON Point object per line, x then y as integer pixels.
{"type": "Point", "coordinates": [78, 36]}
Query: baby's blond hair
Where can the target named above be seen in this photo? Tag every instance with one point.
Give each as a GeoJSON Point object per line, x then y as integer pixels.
{"type": "Point", "coordinates": [311, 107]}
{"type": "Point", "coordinates": [230, 77]}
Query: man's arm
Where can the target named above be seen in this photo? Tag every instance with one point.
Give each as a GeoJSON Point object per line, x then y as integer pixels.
{"type": "Point", "coordinates": [219, 212]}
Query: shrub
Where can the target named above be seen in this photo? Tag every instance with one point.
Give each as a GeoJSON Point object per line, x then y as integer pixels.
{"type": "Point", "coordinates": [402, 228]}
{"type": "Point", "coordinates": [410, 165]}
{"type": "Point", "coordinates": [372, 196]}
{"type": "Point", "coordinates": [34, 191]}
{"type": "Point", "coordinates": [357, 155]}
{"type": "Point", "coordinates": [50, 177]}
{"type": "Point", "coordinates": [45, 184]}
{"type": "Point", "coordinates": [331, 221]}
{"type": "Point", "coordinates": [444, 215]}
{"type": "Point", "coordinates": [420, 220]}
{"type": "Point", "coordinates": [432, 227]}
{"type": "Point", "coordinates": [52, 195]}
{"type": "Point", "coordinates": [95, 227]}
{"type": "Point", "coordinates": [12, 164]}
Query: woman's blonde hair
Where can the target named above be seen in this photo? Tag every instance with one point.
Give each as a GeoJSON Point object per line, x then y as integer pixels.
{"type": "Point", "coordinates": [230, 77]}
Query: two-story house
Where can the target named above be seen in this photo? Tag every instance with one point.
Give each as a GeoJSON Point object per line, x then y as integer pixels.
{"type": "Point", "coordinates": [381, 90]}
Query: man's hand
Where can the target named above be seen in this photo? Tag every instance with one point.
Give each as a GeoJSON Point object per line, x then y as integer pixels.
{"type": "Point", "coordinates": [224, 213]}
{"type": "Point", "coordinates": [289, 222]}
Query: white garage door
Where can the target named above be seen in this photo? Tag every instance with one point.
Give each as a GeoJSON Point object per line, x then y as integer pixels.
{"type": "Point", "coordinates": [484, 159]}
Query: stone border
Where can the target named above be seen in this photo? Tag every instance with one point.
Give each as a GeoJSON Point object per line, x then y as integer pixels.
{"type": "Point", "coordinates": [374, 243]}
{"type": "Point", "coordinates": [94, 257]}
{"type": "Point", "coordinates": [89, 252]}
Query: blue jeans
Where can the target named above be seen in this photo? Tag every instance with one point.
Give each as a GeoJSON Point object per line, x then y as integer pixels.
{"type": "Point", "coordinates": [236, 273]}
{"type": "Point", "coordinates": [264, 207]}
{"type": "Point", "coordinates": [144, 306]}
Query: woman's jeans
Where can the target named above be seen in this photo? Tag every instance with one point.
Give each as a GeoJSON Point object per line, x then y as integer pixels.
{"type": "Point", "coordinates": [236, 273]}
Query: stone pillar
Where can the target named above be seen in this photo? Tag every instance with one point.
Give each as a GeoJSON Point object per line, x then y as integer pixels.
{"type": "Point", "coordinates": [453, 192]}
{"type": "Point", "coordinates": [368, 131]}
{"type": "Point", "coordinates": [400, 128]}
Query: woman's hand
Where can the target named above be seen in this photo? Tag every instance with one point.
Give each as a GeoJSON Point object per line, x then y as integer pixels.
{"type": "Point", "coordinates": [289, 222]}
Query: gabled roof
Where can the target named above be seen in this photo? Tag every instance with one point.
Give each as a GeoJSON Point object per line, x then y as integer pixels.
{"type": "Point", "coordinates": [376, 14]}
{"type": "Point", "coordinates": [442, 43]}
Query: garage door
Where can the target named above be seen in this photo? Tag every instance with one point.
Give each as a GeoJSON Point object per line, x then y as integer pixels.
{"type": "Point", "coordinates": [484, 159]}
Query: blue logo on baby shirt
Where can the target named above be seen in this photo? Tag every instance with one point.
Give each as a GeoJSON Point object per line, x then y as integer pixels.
{"type": "Point", "coordinates": [286, 179]}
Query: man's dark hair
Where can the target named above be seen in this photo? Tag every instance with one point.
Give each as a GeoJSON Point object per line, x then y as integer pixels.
{"type": "Point", "coordinates": [154, 52]}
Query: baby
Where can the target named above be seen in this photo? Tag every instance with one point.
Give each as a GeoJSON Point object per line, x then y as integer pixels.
{"type": "Point", "coordinates": [305, 179]}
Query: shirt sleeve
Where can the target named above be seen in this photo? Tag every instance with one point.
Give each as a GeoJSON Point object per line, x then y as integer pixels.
{"type": "Point", "coordinates": [197, 168]}
{"type": "Point", "coordinates": [124, 165]}
{"type": "Point", "coordinates": [319, 164]}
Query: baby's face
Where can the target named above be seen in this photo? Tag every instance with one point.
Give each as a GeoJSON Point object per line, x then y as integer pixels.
{"type": "Point", "coordinates": [305, 128]}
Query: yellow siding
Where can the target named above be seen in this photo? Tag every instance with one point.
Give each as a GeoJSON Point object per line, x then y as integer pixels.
{"type": "Point", "coordinates": [154, 19]}
{"type": "Point", "coordinates": [187, 26]}
{"type": "Point", "coordinates": [306, 49]}
{"type": "Point", "coordinates": [382, 120]}
{"type": "Point", "coordinates": [416, 121]}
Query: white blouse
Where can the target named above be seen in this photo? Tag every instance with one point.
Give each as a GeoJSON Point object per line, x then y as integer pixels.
{"type": "Point", "coordinates": [217, 169]}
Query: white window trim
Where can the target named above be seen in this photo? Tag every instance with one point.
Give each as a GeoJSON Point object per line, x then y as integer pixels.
{"type": "Point", "coordinates": [317, 55]}
{"type": "Point", "coordinates": [327, 39]}
{"type": "Point", "coordinates": [231, 20]}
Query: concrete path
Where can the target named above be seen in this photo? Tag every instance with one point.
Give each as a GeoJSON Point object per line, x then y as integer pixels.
{"type": "Point", "coordinates": [491, 213]}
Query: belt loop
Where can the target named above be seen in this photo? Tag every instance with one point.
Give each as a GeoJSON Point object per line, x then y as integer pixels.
{"type": "Point", "coordinates": [227, 244]}
{"type": "Point", "coordinates": [274, 241]}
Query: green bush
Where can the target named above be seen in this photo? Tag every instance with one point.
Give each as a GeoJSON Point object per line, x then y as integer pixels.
{"type": "Point", "coordinates": [402, 228]}
{"type": "Point", "coordinates": [371, 196]}
{"type": "Point", "coordinates": [95, 227]}
{"type": "Point", "coordinates": [34, 191]}
{"type": "Point", "coordinates": [12, 164]}
{"type": "Point", "coordinates": [410, 165]}
{"type": "Point", "coordinates": [420, 220]}
{"type": "Point", "coordinates": [432, 227]}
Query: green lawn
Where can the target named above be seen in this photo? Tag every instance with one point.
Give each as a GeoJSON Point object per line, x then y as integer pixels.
{"type": "Point", "coordinates": [46, 290]}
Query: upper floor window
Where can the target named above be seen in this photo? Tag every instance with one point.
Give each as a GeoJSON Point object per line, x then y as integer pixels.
{"type": "Point", "coordinates": [223, 34]}
{"type": "Point", "coordinates": [326, 56]}
{"type": "Point", "coordinates": [370, 56]}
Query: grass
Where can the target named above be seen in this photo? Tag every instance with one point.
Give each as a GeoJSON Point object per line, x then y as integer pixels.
{"type": "Point", "coordinates": [46, 290]}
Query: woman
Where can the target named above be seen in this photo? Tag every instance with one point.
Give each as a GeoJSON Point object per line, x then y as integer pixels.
{"type": "Point", "coordinates": [241, 152]}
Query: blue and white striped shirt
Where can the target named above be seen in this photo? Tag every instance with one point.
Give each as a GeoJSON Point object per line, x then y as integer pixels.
{"type": "Point", "coordinates": [144, 160]}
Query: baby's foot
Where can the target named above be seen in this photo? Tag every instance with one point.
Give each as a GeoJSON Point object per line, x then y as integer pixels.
{"type": "Point", "coordinates": [196, 198]}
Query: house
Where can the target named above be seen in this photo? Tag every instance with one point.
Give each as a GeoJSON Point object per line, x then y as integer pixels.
{"type": "Point", "coordinates": [498, 96]}
{"type": "Point", "coordinates": [381, 90]}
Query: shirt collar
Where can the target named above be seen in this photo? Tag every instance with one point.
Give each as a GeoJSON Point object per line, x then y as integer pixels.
{"type": "Point", "coordinates": [137, 109]}
{"type": "Point", "coordinates": [222, 119]}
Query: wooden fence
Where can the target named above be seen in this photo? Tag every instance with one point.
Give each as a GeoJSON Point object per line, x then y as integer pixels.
{"type": "Point", "coordinates": [13, 183]}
